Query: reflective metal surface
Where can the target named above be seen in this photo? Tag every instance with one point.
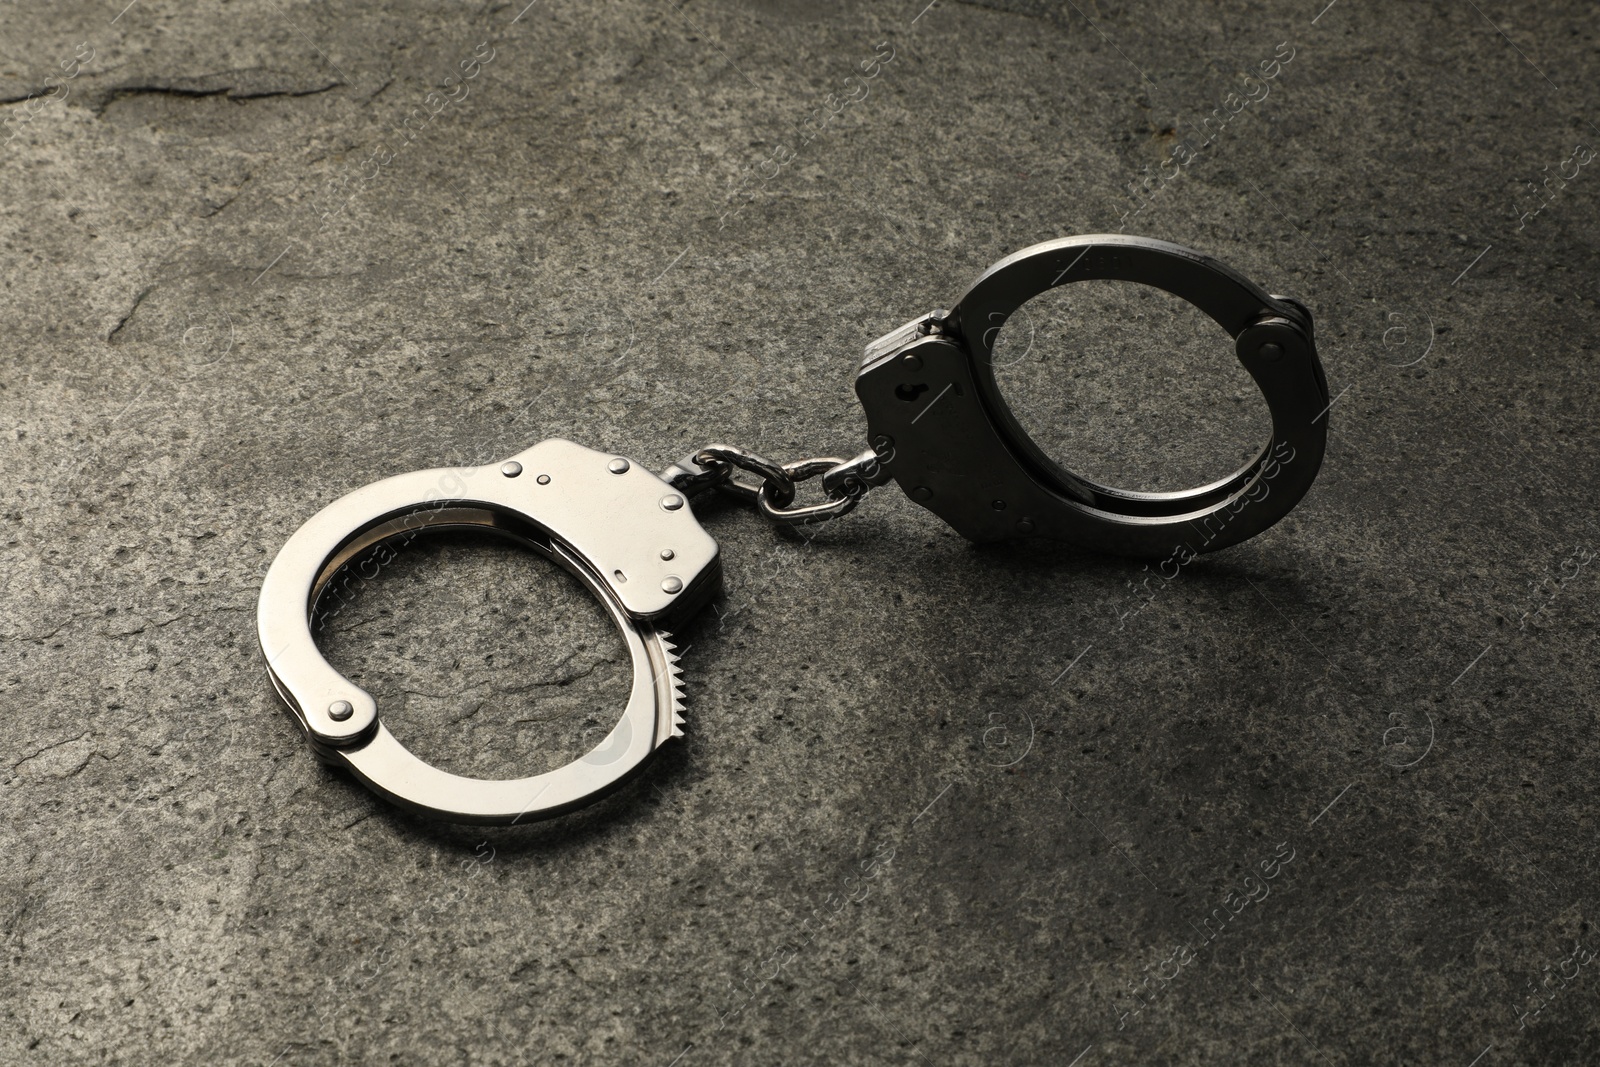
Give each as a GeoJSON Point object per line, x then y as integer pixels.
{"type": "Point", "coordinates": [775, 481]}
{"type": "Point", "coordinates": [840, 502]}
{"type": "Point", "coordinates": [938, 426]}
{"type": "Point", "coordinates": [607, 521]}
{"type": "Point", "coordinates": [843, 482]}
{"type": "Point", "coordinates": [928, 387]}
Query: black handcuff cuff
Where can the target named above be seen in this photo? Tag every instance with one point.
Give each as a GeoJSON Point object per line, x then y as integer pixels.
{"type": "Point", "coordinates": [937, 425]}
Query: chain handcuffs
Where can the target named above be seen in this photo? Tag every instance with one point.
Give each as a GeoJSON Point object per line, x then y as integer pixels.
{"type": "Point", "coordinates": [937, 425]}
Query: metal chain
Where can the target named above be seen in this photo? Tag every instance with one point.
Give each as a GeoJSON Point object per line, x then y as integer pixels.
{"type": "Point", "coordinates": [774, 479]}
{"type": "Point", "coordinates": [844, 482]}
{"type": "Point", "coordinates": [832, 506]}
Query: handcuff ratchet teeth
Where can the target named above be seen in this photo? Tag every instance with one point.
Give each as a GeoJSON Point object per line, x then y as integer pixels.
{"type": "Point", "coordinates": [624, 533]}
{"type": "Point", "coordinates": [938, 427]}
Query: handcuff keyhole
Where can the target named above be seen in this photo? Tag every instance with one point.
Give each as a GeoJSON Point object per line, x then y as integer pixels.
{"type": "Point", "coordinates": [908, 392]}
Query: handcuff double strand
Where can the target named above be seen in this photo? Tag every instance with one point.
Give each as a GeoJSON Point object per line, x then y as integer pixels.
{"type": "Point", "coordinates": [936, 425]}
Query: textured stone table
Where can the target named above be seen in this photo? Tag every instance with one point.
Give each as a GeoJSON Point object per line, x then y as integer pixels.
{"type": "Point", "coordinates": [1326, 797]}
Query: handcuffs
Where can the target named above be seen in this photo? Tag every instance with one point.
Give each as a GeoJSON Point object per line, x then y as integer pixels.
{"type": "Point", "coordinates": [937, 425]}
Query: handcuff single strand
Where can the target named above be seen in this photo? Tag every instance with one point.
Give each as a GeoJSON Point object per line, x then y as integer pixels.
{"type": "Point", "coordinates": [937, 425]}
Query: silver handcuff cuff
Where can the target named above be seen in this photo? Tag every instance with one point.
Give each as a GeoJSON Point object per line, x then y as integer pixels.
{"type": "Point", "coordinates": [937, 425]}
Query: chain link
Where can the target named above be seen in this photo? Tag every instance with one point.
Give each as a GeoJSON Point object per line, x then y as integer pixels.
{"type": "Point", "coordinates": [770, 473]}
{"type": "Point", "coordinates": [832, 507]}
{"type": "Point", "coordinates": [844, 482]}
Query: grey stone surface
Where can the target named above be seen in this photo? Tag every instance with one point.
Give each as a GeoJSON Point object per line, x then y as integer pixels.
{"type": "Point", "coordinates": [233, 292]}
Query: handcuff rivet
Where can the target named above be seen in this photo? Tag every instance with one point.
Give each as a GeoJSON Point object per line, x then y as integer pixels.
{"type": "Point", "coordinates": [596, 527]}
